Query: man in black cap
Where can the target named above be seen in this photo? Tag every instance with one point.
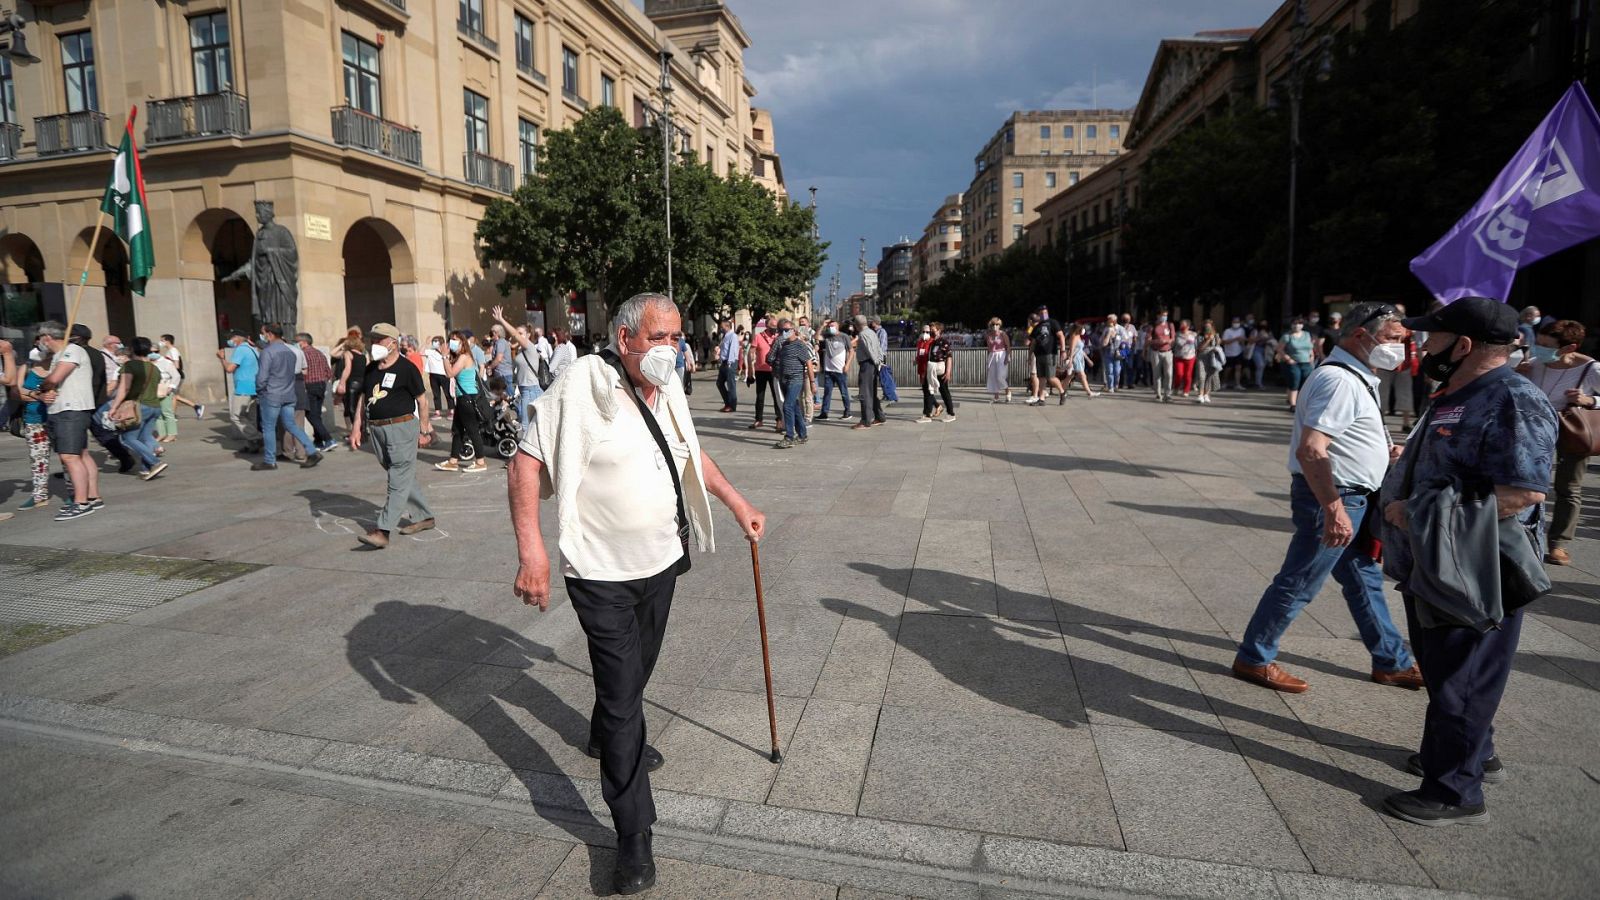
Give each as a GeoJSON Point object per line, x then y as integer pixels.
{"type": "Point", "coordinates": [1488, 428]}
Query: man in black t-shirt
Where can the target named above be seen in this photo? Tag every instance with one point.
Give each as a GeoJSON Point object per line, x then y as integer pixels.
{"type": "Point", "coordinates": [394, 409]}
{"type": "Point", "coordinates": [1049, 341]}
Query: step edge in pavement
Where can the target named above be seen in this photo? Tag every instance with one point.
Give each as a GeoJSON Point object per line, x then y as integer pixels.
{"type": "Point", "coordinates": [736, 829]}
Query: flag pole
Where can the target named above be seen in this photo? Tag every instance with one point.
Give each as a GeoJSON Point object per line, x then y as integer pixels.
{"type": "Point", "coordinates": [83, 278]}
{"type": "Point", "coordinates": [94, 243]}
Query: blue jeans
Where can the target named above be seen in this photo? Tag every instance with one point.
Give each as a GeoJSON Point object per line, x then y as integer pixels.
{"type": "Point", "coordinates": [728, 384]}
{"type": "Point", "coordinates": [1306, 566]}
{"type": "Point", "coordinates": [141, 440]}
{"type": "Point", "coordinates": [829, 380]}
{"type": "Point", "coordinates": [273, 416]}
{"type": "Point", "coordinates": [794, 421]}
{"type": "Point", "coordinates": [1113, 373]}
{"type": "Point", "coordinates": [526, 394]}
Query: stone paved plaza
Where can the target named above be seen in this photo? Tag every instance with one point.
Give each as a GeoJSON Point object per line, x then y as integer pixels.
{"type": "Point", "coordinates": [1000, 647]}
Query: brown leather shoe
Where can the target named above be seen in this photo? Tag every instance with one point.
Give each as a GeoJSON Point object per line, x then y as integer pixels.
{"type": "Point", "coordinates": [1410, 679]}
{"type": "Point", "coordinates": [1558, 556]}
{"type": "Point", "coordinates": [374, 538]}
{"type": "Point", "coordinates": [1270, 675]}
{"type": "Point", "coordinates": [415, 527]}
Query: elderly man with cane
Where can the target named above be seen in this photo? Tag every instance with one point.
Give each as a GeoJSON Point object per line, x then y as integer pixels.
{"type": "Point", "coordinates": [613, 442]}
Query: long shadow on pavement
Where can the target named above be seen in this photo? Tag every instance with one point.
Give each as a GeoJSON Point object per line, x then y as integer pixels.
{"type": "Point", "coordinates": [1189, 513]}
{"type": "Point", "coordinates": [553, 795]}
{"type": "Point", "coordinates": [987, 641]}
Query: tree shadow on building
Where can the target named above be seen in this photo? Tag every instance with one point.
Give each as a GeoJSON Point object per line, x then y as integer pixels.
{"type": "Point", "coordinates": [477, 702]}
{"type": "Point", "coordinates": [992, 663]}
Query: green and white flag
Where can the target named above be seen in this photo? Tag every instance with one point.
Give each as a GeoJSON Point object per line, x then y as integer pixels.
{"type": "Point", "coordinates": [124, 202]}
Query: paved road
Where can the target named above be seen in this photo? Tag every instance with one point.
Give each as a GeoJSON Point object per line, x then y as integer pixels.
{"type": "Point", "coordinates": [1000, 647]}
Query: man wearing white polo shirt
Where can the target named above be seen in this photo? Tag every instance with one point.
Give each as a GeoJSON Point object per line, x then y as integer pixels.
{"type": "Point", "coordinates": [1338, 457]}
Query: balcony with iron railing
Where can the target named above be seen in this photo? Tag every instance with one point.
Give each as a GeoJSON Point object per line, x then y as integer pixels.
{"type": "Point", "coordinates": [10, 141]}
{"type": "Point", "coordinates": [488, 172]}
{"type": "Point", "coordinates": [69, 133]}
{"type": "Point", "coordinates": [535, 74]}
{"type": "Point", "coordinates": [357, 128]}
{"type": "Point", "coordinates": [202, 115]}
{"type": "Point", "coordinates": [476, 36]}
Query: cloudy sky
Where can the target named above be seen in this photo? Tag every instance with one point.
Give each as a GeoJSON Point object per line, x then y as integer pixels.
{"type": "Point", "coordinates": [882, 104]}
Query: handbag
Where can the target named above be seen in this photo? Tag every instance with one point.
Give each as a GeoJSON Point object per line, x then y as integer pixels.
{"type": "Point", "coordinates": [1580, 427]}
{"type": "Point", "coordinates": [126, 416]}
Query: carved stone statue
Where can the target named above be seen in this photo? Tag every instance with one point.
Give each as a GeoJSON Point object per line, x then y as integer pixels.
{"type": "Point", "coordinates": [273, 271]}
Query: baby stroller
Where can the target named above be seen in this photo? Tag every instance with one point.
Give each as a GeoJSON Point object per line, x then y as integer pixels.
{"type": "Point", "coordinates": [500, 430]}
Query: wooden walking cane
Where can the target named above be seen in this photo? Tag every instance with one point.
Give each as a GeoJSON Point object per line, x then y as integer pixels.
{"type": "Point", "coordinates": [766, 655]}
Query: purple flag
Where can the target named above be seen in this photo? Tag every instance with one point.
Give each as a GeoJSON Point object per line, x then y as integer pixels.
{"type": "Point", "coordinates": [1547, 199]}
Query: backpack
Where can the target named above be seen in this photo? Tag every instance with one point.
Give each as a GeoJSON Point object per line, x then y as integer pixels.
{"type": "Point", "coordinates": [97, 370]}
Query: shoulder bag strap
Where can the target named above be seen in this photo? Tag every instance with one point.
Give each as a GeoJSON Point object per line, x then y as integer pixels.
{"type": "Point", "coordinates": [650, 422]}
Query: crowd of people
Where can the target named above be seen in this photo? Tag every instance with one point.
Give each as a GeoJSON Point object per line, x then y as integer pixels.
{"type": "Point", "coordinates": [596, 432]}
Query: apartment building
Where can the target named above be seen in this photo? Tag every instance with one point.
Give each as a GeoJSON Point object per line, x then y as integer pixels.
{"type": "Point", "coordinates": [1029, 159]}
{"type": "Point", "coordinates": [379, 129]}
{"type": "Point", "coordinates": [939, 248]}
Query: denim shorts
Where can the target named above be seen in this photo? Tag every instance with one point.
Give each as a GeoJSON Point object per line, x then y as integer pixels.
{"type": "Point", "coordinates": [69, 431]}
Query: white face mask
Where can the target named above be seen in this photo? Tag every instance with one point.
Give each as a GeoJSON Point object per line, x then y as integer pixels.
{"type": "Point", "coordinates": [379, 351]}
{"type": "Point", "coordinates": [658, 365]}
{"type": "Point", "coordinates": [455, 346]}
{"type": "Point", "coordinates": [435, 345]}
{"type": "Point", "coordinates": [1386, 357]}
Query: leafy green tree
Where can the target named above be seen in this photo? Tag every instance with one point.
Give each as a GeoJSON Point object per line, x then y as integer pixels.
{"type": "Point", "coordinates": [594, 218]}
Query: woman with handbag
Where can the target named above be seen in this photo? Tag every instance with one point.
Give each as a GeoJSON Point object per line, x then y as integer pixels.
{"type": "Point", "coordinates": [136, 408]}
{"type": "Point", "coordinates": [1212, 360]}
{"type": "Point", "coordinates": [465, 427]}
{"type": "Point", "coordinates": [1572, 383]}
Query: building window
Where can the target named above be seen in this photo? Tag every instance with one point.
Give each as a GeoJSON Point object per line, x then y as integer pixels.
{"type": "Point", "coordinates": [1044, 132]}
{"type": "Point", "coordinates": [77, 70]}
{"type": "Point", "coordinates": [476, 107]}
{"type": "Point", "coordinates": [944, 229]}
{"type": "Point", "coordinates": [1009, 136]}
{"type": "Point", "coordinates": [1066, 132]}
{"type": "Point", "coordinates": [363, 77]}
{"type": "Point", "coordinates": [1116, 132]}
{"type": "Point", "coordinates": [759, 134]}
{"type": "Point", "coordinates": [1016, 179]}
{"type": "Point", "coordinates": [528, 147]}
{"type": "Point", "coordinates": [1016, 232]}
{"type": "Point", "coordinates": [211, 53]}
{"type": "Point", "coordinates": [524, 41]}
{"type": "Point", "coordinates": [1072, 178]}
{"type": "Point", "coordinates": [1016, 207]}
{"type": "Point", "coordinates": [1089, 132]}
{"type": "Point", "coordinates": [608, 91]}
{"type": "Point", "coordinates": [569, 71]}
{"type": "Point", "coordinates": [8, 92]}
{"type": "Point", "coordinates": [1049, 179]}
{"type": "Point", "coordinates": [944, 246]}
{"type": "Point", "coordinates": [470, 14]}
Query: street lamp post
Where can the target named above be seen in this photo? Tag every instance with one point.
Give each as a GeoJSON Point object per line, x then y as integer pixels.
{"type": "Point", "coordinates": [816, 235]}
{"type": "Point", "coordinates": [666, 152]}
{"type": "Point", "coordinates": [1299, 64]}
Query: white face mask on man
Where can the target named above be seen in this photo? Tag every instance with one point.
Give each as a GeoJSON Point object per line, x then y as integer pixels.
{"type": "Point", "coordinates": [379, 352]}
{"type": "Point", "coordinates": [1386, 357]}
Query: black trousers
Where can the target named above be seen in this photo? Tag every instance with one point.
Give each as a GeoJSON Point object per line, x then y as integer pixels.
{"type": "Point", "coordinates": [624, 622]}
{"type": "Point", "coordinates": [465, 429]}
{"type": "Point", "coordinates": [441, 392]}
{"type": "Point", "coordinates": [1466, 674]}
{"type": "Point", "coordinates": [316, 399]}
{"type": "Point", "coordinates": [765, 384]}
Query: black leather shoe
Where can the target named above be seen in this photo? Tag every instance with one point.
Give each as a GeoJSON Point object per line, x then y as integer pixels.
{"type": "Point", "coordinates": [653, 759]}
{"type": "Point", "coordinates": [636, 864]}
{"type": "Point", "coordinates": [1421, 811]}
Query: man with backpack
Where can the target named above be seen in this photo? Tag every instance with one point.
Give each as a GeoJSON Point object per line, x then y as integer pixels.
{"type": "Point", "coordinates": [1049, 341]}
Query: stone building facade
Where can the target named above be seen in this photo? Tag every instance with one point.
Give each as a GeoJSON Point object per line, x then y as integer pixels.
{"type": "Point", "coordinates": [379, 129]}
{"type": "Point", "coordinates": [1032, 157]}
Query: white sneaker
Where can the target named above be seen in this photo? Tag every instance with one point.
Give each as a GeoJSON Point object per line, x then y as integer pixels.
{"type": "Point", "coordinates": [923, 419]}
